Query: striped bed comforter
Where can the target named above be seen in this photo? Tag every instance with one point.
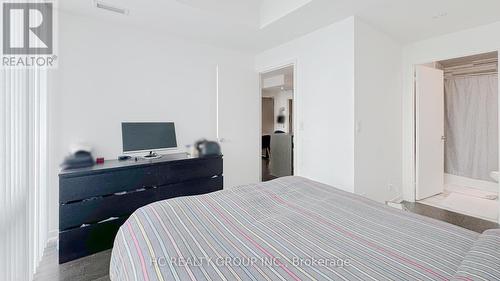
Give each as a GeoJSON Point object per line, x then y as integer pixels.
{"type": "Point", "coordinates": [295, 229]}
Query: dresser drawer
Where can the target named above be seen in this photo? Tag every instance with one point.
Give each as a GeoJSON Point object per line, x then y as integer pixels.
{"type": "Point", "coordinates": [84, 241]}
{"type": "Point", "coordinates": [189, 170]}
{"type": "Point", "coordinates": [92, 211]}
{"type": "Point", "coordinates": [83, 187]}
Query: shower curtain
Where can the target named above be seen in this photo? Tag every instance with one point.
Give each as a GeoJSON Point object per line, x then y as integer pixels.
{"type": "Point", "coordinates": [471, 126]}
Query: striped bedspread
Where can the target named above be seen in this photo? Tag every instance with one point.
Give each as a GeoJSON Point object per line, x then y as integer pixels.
{"type": "Point", "coordinates": [295, 229]}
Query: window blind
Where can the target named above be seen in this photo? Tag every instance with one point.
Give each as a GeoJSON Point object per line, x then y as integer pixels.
{"type": "Point", "coordinates": [23, 180]}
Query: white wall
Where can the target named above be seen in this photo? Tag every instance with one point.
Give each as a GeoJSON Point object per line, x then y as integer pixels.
{"type": "Point", "coordinates": [109, 73]}
{"type": "Point", "coordinates": [324, 101]}
{"type": "Point", "coordinates": [459, 44]}
{"type": "Point", "coordinates": [377, 110]}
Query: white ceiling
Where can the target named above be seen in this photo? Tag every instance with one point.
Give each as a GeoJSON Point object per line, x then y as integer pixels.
{"type": "Point", "coordinates": [413, 20]}
{"type": "Point", "coordinates": [237, 23]}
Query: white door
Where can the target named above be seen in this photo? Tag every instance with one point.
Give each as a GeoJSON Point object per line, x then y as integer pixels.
{"type": "Point", "coordinates": [238, 123]}
{"type": "Point", "coordinates": [429, 131]}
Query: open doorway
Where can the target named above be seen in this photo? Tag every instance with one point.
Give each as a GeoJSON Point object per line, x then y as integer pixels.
{"type": "Point", "coordinates": [456, 129]}
{"type": "Point", "coordinates": [277, 94]}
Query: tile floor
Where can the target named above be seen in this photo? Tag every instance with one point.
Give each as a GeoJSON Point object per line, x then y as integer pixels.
{"type": "Point", "coordinates": [466, 200]}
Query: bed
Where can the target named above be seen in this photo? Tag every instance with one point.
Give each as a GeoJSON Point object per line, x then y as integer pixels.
{"type": "Point", "coordinates": [293, 228]}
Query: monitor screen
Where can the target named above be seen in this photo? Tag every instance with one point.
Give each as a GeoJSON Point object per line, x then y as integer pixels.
{"type": "Point", "coordinates": [148, 136]}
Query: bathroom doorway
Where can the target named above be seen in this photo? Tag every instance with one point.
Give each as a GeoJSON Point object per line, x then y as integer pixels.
{"type": "Point", "coordinates": [456, 128]}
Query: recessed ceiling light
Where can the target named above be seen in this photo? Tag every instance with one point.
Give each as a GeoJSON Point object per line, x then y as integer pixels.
{"type": "Point", "coordinates": [110, 8]}
{"type": "Point", "coordinates": [439, 15]}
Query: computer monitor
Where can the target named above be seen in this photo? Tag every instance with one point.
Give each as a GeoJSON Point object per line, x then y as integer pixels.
{"type": "Point", "coordinates": [148, 136]}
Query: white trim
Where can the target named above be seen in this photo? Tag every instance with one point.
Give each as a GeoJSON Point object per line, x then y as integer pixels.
{"type": "Point", "coordinates": [52, 236]}
{"type": "Point", "coordinates": [217, 130]}
{"type": "Point", "coordinates": [396, 199]}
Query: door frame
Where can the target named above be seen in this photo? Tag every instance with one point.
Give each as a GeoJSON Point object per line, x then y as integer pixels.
{"type": "Point", "coordinates": [409, 121]}
{"type": "Point", "coordinates": [295, 131]}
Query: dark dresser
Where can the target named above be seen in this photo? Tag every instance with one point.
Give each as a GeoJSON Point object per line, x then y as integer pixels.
{"type": "Point", "coordinates": [94, 202]}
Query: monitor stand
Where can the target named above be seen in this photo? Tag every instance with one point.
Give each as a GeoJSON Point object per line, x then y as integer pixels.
{"type": "Point", "coordinates": [152, 155]}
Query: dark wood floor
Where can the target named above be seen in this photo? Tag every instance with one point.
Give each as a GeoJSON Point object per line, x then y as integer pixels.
{"type": "Point", "coordinates": [472, 223]}
{"type": "Point", "coordinates": [266, 173]}
{"type": "Point", "coordinates": [94, 267]}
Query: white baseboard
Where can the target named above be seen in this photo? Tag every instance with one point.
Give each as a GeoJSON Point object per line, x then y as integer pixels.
{"type": "Point", "coordinates": [53, 235]}
{"type": "Point", "coordinates": [472, 183]}
{"type": "Point", "coordinates": [53, 238]}
{"type": "Point", "coordinates": [396, 202]}
{"type": "Point", "coordinates": [395, 205]}
{"type": "Point", "coordinates": [397, 199]}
